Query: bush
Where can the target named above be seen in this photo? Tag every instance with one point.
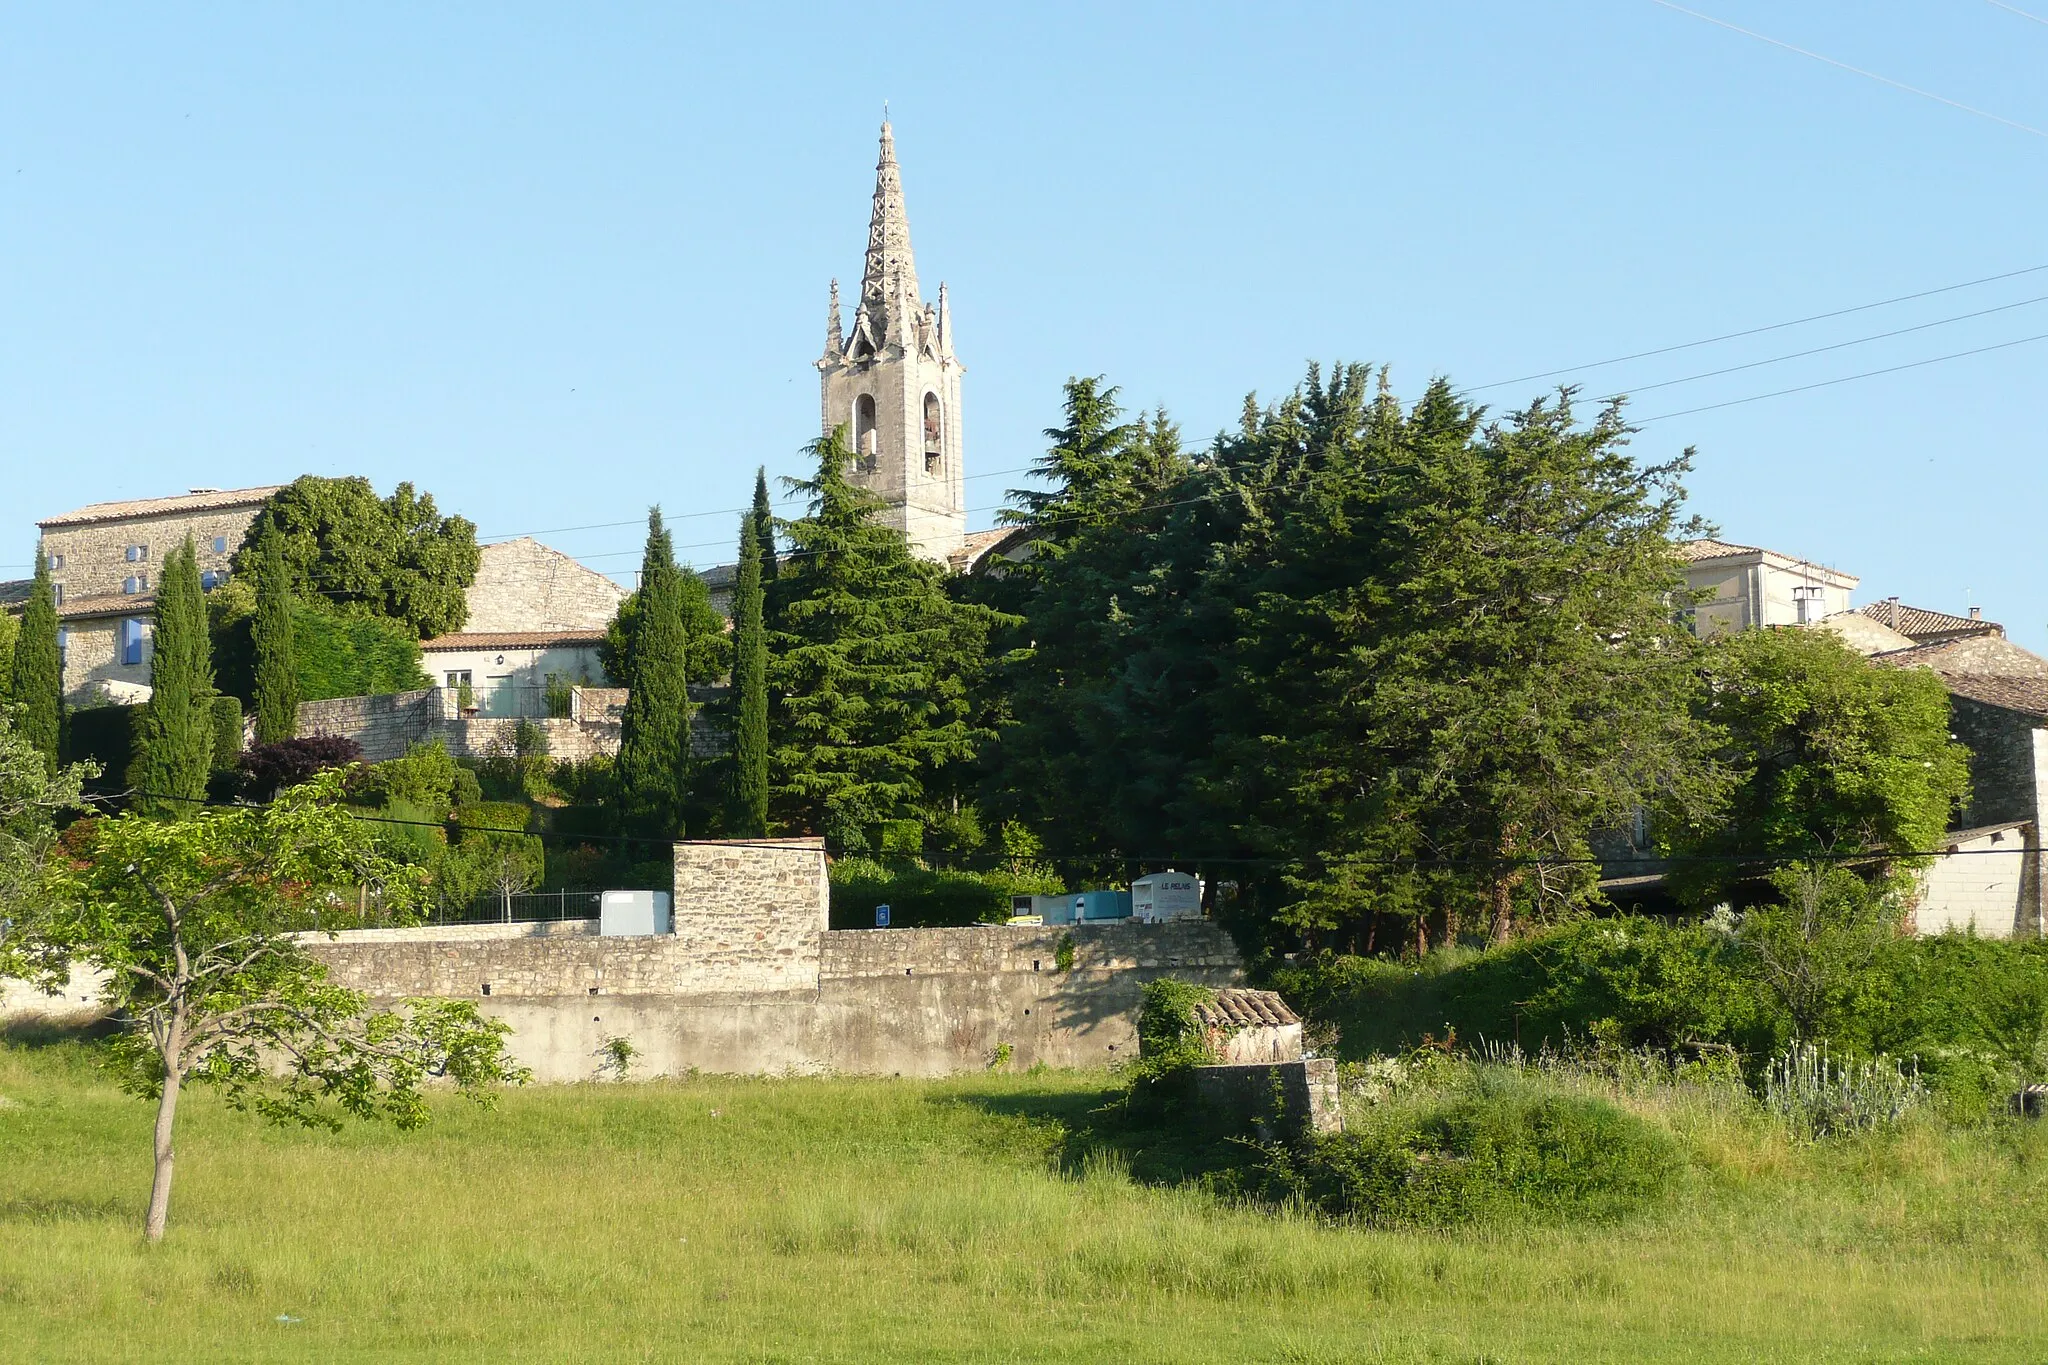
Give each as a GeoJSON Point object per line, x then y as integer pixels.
{"type": "Point", "coordinates": [922, 897]}
{"type": "Point", "coordinates": [269, 768]}
{"type": "Point", "coordinates": [1171, 1044]}
{"type": "Point", "coordinates": [425, 777]}
{"type": "Point", "coordinates": [1514, 1154]}
{"type": "Point", "coordinates": [336, 655]}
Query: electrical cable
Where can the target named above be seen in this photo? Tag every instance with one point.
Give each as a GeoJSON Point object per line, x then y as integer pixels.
{"type": "Point", "coordinates": [2015, 9]}
{"type": "Point", "coordinates": [1857, 70]}
{"type": "Point", "coordinates": [1419, 864]}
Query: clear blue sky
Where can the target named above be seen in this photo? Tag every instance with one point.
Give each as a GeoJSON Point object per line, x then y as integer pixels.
{"type": "Point", "coordinates": [556, 263]}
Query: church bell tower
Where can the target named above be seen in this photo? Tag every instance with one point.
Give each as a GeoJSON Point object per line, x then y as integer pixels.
{"type": "Point", "coordinates": [894, 383]}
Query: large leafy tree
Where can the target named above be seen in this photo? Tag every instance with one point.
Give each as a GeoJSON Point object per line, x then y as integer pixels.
{"type": "Point", "coordinates": [200, 925]}
{"type": "Point", "coordinates": [871, 667]}
{"type": "Point", "coordinates": [708, 648]}
{"type": "Point", "coordinates": [394, 557]}
{"type": "Point", "coordinates": [35, 681]}
{"type": "Point", "coordinates": [277, 669]}
{"type": "Point", "coordinates": [1831, 755]}
{"type": "Point", "coordinates": [1462, 651]}
{"type": "Point", "coordinates": [174, 735]}
{"type": "Point", "coordinates": [748, 817]}
{"type": "Point", "coordinates": [650, 777]}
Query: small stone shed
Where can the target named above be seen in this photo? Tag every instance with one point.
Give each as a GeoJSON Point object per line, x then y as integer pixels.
{"type": "Point", "coordinates": [1245, 1026]}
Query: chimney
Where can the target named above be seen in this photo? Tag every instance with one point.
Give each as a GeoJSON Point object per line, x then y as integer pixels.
{"type": "Point", "coordinates": [1976, 613]}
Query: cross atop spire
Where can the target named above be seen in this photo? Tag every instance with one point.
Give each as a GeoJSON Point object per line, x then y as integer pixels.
{"type": "Point", "coordinates": [889, 280]}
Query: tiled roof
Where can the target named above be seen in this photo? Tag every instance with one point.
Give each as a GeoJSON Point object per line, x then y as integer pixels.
{"type": "Point", "coordinates": [107, 604]}
{"type": "Point", "coordinates": [209, 500]}
{"type": "Point", "coordinates": [2028, 696]}
{"type": "Point", "coordinates": [1922, 625]}
{"type": "Point", "coordinates": [1691, 550]}
{"type": "Point", "coordinates": [512, 639]}
{"type": "Point", "coordinates": [1964, 836]}
{"type": "Point", "coordinates": [1235, 1008]}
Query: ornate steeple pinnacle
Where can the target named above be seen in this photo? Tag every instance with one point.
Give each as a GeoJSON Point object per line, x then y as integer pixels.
{"type": "Point", "coordinates": [835, 343]}
{"type": "Point", "coordinates": [888, 283]}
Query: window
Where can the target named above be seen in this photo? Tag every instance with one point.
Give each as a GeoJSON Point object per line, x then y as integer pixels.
{"type": "Point", "coordinates": [212, 579]}
{"type": "Point", "coordinates": [131, 641]}
{"type": "Point", "coordinates": [137, 583]}
{"type": "Point", "coordinates": [934, 445]}
{"type": "Point", "coordinates": [220, 545]}
{"type": "Point", "coordinates": [864, 439]}
{"type": "Point", "coordinates": [57, 593]}
{"type": "Point", "coordinates": [56, 563]}
{"type": "Point", "coordinates": [63, 643]}
{"type": "Point", "coordinates": [458, 677]}
{"type": "Point", "coordinates": [137, 553]}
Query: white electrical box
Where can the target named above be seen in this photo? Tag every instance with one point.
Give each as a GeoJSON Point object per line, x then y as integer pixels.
{"type": "Point", "coordinates": [629, 914]}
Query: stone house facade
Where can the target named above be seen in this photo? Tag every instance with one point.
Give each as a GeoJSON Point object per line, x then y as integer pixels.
{"type": "Point", "coordinates": [104, 565]}
{"type": "Point", "coordinates": [1746, 586]}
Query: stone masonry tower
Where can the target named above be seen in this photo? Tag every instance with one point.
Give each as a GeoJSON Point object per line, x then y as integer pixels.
{"type": "Point", "coordinates": [894, 383]}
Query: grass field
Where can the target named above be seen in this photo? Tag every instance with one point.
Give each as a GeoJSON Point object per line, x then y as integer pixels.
{"type": "Point", "coordinates": [987, 1218]}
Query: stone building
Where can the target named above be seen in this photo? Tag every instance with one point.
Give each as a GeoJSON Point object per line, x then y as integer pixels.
{"type": "Point", "coordinates": [1748, 586]}
{"type": "Point", "coordinates": [535, 614]}
{"type": "Point", "coordinates": [104, 564]}
{"type": "Point", "coordinates": [894, 382]}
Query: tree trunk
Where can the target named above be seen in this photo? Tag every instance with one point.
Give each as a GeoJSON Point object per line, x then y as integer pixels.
{"type": "Point", "coordinates": [1502, 895]}
{"type": "Point", "coordinates": [160, 1186]}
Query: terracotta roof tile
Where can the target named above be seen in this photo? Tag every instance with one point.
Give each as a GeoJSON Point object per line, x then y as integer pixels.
{"type": "Point", "coordinates": [107, 604]}
{"type": "Point", "coordinates": [1237, 1008]}
{"type": "Point", "coordinates": [1924, 626]}
{"type": "Point", "coordinates": [2028, 696]}
{"type": "Point", "coordinates": [512, 639]}
{"type": "Point", "coordinates": [1691, 550]}
{"type": "Point", "coordinates": [206, 501]}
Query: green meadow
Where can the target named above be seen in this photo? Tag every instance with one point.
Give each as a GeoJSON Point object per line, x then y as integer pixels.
{"type": "Point", "coordinates": [985, 1218]}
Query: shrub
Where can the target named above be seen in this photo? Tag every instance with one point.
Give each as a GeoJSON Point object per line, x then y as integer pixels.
{"type": "Point", "coordinates": [1171, 1044]}
{"type": "Point", "coordinates": [1818, 1095]}
{"type": "Point", "coordinates": [270, 768]}
{"type": "Point", "coordinates": [1509, 1155]}
{"type": "Point", "coordinates": [425, 777]}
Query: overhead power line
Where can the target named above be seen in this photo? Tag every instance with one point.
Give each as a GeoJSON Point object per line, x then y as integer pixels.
{"type": "Point", "coordinates": [1758, 331]}
{"type": "Point", "coordinates": [1857, 70]}
{"type": "Point", "coordinates": [2015, 9]}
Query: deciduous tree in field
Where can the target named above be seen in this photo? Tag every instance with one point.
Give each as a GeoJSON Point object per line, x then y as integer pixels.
{"type": "Point", "coordinates": [31, 866]}
{"type": "Point", "coordinates": [200, 925]}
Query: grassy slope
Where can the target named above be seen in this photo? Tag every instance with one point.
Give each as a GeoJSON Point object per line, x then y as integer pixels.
{"type": "Point", "coordinates": [842, 1220]}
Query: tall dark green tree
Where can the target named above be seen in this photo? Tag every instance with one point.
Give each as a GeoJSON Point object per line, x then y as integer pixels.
{"type": "Point", "coordinates": [651, 775]}
{"type": "Point", "coordinates": [174, 734]}
{"type": "Point", "coordinates": [871, 667]}
{"type": "Point", "coordinates": [764, 526]}
{"type": "Point", "coordinates": [36, 680]}
{"type": "Point", "coordinates": [749, 814]}
{"type": "Point", "coordinates": [277, 670]}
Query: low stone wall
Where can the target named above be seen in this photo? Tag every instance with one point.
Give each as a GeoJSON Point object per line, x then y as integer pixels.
{"type": "Point", "coordinates": [903, 1001]}
{"type": "Point", "coordinates": [386, 726]}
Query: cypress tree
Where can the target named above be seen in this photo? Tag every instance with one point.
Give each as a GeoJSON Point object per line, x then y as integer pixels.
{"type": "Point", "coordinates": [750, 690]}
{"type": "Point", "coordinates": [174, 739]}
{"type": "Point", "coordinates": [651, 774]}
{"type": "Point", "coordinates": [36, 681]}
{"type": "Point", "coordinates": [873, 667]}
{"type": "Point", "coordinates": [277, 669]}
{"type": "Point", "coordinates": [764, 526]}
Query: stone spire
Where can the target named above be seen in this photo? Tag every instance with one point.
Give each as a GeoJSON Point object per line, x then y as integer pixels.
{"type": "Point", "coordinates": [835, 344]}
{"type": "Point", "coordinates": [888, 283]}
